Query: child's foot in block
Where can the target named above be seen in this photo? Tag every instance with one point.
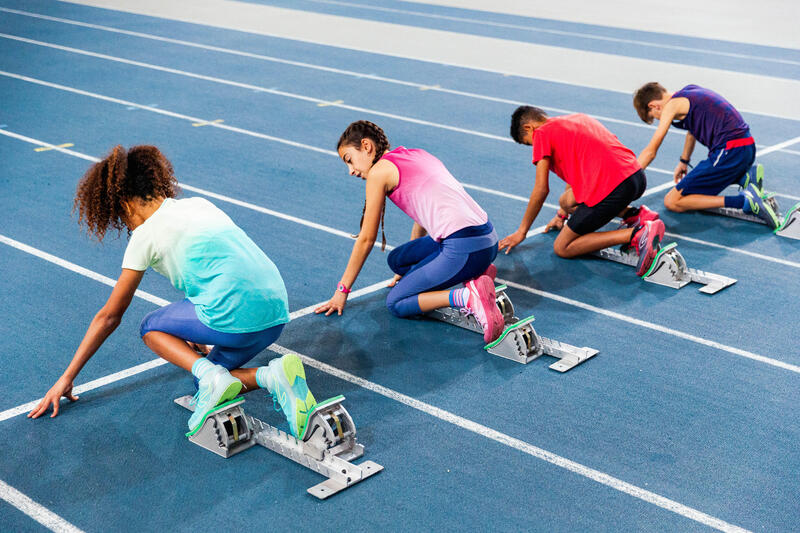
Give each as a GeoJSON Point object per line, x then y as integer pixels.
{"type": "Point", "coordinates": [646, 240]}
{"type": "Point", "coordinates": [483, 304]}
{"type": "Point", "coordinates": [285, 379]}
{"type": "Point", "coordinates": [755, 204]}
{"type": "Point", "coordinates": [642, 215]}
{"type": "Point", "coordinates": [216, 386]}
{"type": "Point", "coordinates": [755, 176]}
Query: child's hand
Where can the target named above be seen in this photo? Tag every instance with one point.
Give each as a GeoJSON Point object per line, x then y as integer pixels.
{"type": "Point", "coordinates": [680, 171]}
{"type": "Point", "coordinates": [397, 278]}
{"type": "Point", "coordinates": [511, 241]}
{"type": "Point", "coordinates": [334, 304]}
{"type": "Point", "coordinates": [62, 387]}
{"type": "Point", "coordinates": [556, 223]}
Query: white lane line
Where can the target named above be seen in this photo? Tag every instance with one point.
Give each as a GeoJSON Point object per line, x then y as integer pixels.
{"type": "Point", "coordinates": [138, 369]}
{"type": "Point", "coordinates": [534, 451]}
{"type": "Point", "coordinates": [655, 327]}
{"type": "Point", "coordinates": [735, 250]}
{"type": "Point", "coordinates": [41, 514]}
{"type": "Point", "coordinates": [789, 196]}
{"type": "Point", "coordinates": [537, 29]}
{"type": "Point", "coordinates": [359, 75]}
{"type": "Point", "coordinates": [778, 146]}
{"type": "Point", "coordinates": [520, 445]}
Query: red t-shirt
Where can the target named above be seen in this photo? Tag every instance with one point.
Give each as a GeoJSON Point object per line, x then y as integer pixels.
{"type": "Point", "coordinates": [585, 154]}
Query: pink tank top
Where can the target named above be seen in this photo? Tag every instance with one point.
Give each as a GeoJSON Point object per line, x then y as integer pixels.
{"type": "Point", "coordinates": [429, 194]}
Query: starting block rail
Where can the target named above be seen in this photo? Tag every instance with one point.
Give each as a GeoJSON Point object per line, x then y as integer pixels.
{"type": "Point", "coordinates": [669, 269]}
{"type": "Point", "coordinates": [519, 342]}
{"type": "Point", "coordinates": [327, 446]}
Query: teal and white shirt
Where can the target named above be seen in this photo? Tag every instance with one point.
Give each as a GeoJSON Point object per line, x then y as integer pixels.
{"type": "Point", "coordinates": [234, 286]}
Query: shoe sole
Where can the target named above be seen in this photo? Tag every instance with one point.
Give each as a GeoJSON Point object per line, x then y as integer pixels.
{"type": "Point", "coordinates": [292, 369]}
{"type": "Point", "coordinates": [494, 318]}
{"type": "Point", "coordinates": [230, 392]}
{"type": "Point", "coordinates": [654, 237]}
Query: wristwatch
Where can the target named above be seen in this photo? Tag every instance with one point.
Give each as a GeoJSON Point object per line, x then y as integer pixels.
{"type": "Point", "coordinates": [341, 288]}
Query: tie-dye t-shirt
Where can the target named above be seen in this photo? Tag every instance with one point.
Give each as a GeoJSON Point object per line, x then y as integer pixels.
{"type": "Point", "coordinates": [234, 286]}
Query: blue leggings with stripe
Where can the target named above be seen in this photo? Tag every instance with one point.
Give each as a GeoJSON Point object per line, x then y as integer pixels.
{"type": "Point", "coordinates": [231, 350]}
{"type": "Point", "coordinates": [427, 265]}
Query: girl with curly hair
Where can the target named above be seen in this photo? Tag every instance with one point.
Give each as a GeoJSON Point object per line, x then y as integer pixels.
{"type": "Point", "coordinates": [235, 296]}
{"type": "Point", "coordinates": [452, 240]}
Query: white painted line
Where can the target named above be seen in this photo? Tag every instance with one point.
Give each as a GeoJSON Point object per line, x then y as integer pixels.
{"type": "Point", "coordinates": [655, 327]}
{"type": "Point", "coordinates": [41, 514]}
{"type": "Point", "coordinates": [582, 35]}
{"type": "Point", "coordinates": [534, 451]}
{"type": "Point", "coordinates": [735, 250]}
{"type": "Point", "coordinates": [789, 196]}
{"type": "Point", "coordinates": [143, 367]}
{"type": "Point", "coordinates": [778, 146]}
{"type": "Point", "coordinates": [657, 188]}
{"type": "Point", "coordinates": [520, 445]}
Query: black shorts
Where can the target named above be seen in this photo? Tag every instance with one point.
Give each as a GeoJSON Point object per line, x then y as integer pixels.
{"type": "Point", "coordinates": [587, 219]}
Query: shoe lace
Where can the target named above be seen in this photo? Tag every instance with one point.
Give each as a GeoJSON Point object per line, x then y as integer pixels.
{"type": "Point", "coordinates": [195, 398]}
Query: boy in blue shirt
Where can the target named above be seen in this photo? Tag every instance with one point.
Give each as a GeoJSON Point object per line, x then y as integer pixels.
{"type": "Point", "coordinates": [715, 123]}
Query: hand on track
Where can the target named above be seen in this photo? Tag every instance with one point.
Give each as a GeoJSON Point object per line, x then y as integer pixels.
{"type": "Point", "coordinates": [62, 387]}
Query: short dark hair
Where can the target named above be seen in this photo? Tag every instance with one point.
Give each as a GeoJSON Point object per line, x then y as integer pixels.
{"type": "Point", "coordinates": [523, 115]}
{"type": "Point", "coordinates": [644, 95]}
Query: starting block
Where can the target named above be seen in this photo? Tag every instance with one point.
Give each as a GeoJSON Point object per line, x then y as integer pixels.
{"type": "Point", "coordinates": [327, 446]}
{"type": "Point", "coordinates": [669, 269]}
{"type": "Point", "coordinates": [789, 223]}
{"type": "Point", "coordinates": [519, 342]}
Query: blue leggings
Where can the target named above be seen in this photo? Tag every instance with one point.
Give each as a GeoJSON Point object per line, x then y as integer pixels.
{"type": "Point", "coordinates": [231, 350]}
{"type": "Point", "coordinates": [427, 265]}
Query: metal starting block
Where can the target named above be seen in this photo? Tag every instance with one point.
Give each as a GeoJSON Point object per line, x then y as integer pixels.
{"type": "Point", "coordinates": [790, 223]}
{"type": "Point", "coordinates": [327, 446]}
{"type": "Point", "coordinates": [669, 269]}
{"type": "Point", "coordinates": [519, 342]}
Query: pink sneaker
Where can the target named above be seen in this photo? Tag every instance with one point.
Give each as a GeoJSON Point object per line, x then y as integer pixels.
{"type": "Point", "coordinates": [643, 215]}
{"type": "Point", "coordinates": [646, 240]}
{"type": "Point", "coordinates": [483, 305]}
{"type": "Point", "coordinates": [490, 271]}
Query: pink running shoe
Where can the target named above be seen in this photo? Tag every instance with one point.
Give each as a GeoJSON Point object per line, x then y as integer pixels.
{"type": "Point", "coordinates": [646, 240]}
{"type": "Point", "coordinates": [490, 271]}
{"type": "Point", "coordinates": [483, 305]}
{"type": "Point", "coordinates": [643, 215]}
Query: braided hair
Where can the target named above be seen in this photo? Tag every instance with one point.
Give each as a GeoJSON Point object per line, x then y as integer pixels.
{"type": "Point", "coordinates": [352, 136]}
{"type": "Point", "coordinates": [141, 172]}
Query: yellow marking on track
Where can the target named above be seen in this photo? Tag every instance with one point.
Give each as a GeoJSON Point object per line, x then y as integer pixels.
{"type": "Point", "coordinates": [326, 104]}
{"type": "Point", "coordinates": [429, 87]}
{"type": "Point", "coordinates": [199, 124]}
{"type": "Point", "coordinates": [46, 148]}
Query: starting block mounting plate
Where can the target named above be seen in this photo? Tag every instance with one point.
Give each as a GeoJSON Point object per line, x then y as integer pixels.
{"type": "Point", "coordinates": [327, 445]}
{"type": "Point", "coordinates": [669, 269]}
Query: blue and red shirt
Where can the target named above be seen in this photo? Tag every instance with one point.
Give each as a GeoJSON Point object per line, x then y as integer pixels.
{"type": "Point", "coordinates": [711, 119]}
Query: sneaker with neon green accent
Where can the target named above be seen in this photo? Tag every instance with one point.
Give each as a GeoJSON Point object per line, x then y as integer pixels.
{"type": "Point", "coordinates": [755, 176]}
{"type": "Point", "coordinates": [756, 205]}
{"type": "Point", "coordinates": [285, 379]}
{"type": "Point", "coordinates": [216, 386]}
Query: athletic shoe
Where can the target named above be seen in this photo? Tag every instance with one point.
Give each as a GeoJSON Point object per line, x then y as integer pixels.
{"type": "Point", "coordinates": [646, 239]}
{"type": "Point", "coordinates": [755, 176]}
{"type": "Point", "coordinates": [756, 205]}
{"type": "Point", "coordinates": [482, 304]}
{"type": "Point", "coordinates": [490, 271]}
{"type": "Point", "coordinates": [216, 386]}
{"type": "Point", "coordinates": [285, 379]}
{"type": "Point", "coordinates": [643, 214]}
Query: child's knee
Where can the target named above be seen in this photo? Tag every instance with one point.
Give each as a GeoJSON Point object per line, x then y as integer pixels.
{"type": "Point", "coordinates": [560, 250]}
{"type": "Point", "coordinates": [672, 201]}
{"type": "Point", "coordinates": [145, 327]}
{"type": "Point", "coordinates": [395, 307]}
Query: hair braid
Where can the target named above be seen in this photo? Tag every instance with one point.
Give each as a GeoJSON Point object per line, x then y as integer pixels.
{"type": "Point", "coordinates": [352, 136]}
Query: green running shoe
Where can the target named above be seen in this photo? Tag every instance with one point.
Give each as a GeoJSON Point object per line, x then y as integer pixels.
{"type": "Point", "coordinates": [285, 379]}
{"type": "Point", "coordinates": [755, 176]}
{"type": "Point", "coordinates": [755, 204]}
{"type": "Point", "coordinates": [216, 386]}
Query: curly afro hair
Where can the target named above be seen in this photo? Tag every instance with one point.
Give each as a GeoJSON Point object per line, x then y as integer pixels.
{"type": "Point", "coordinates": [141, 172]}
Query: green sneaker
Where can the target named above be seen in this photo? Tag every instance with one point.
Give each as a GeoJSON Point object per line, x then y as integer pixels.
{"type": "Point", "coordinates": [755, 176]}
{"type": "Point", "coordinates": [285, 379]}
{"type": "Point", "coordinates": [216, 386]}
{"type": "Point", "coordinates": [756, 205]}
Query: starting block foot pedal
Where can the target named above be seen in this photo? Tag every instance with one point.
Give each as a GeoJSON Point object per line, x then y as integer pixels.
{"type": "Point", "coordinates": [327, 445]}
{"type": "Point", "coordinates": [790, 227]}
{"type": "Point", "coordinates": [520, 342]}
{"type": "Point", "coordinates": [669, 269]}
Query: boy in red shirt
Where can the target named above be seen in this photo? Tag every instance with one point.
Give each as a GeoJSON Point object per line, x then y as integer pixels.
{"type": "Point", "coordinates": [602, 177]}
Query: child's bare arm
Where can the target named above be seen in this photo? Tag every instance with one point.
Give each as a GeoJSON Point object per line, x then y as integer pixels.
{"type": "Point", "coordinates": [671, 109]}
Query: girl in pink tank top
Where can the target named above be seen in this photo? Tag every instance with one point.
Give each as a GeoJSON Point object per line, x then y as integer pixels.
{"type": "Point", "coordinates": [452, 241]}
